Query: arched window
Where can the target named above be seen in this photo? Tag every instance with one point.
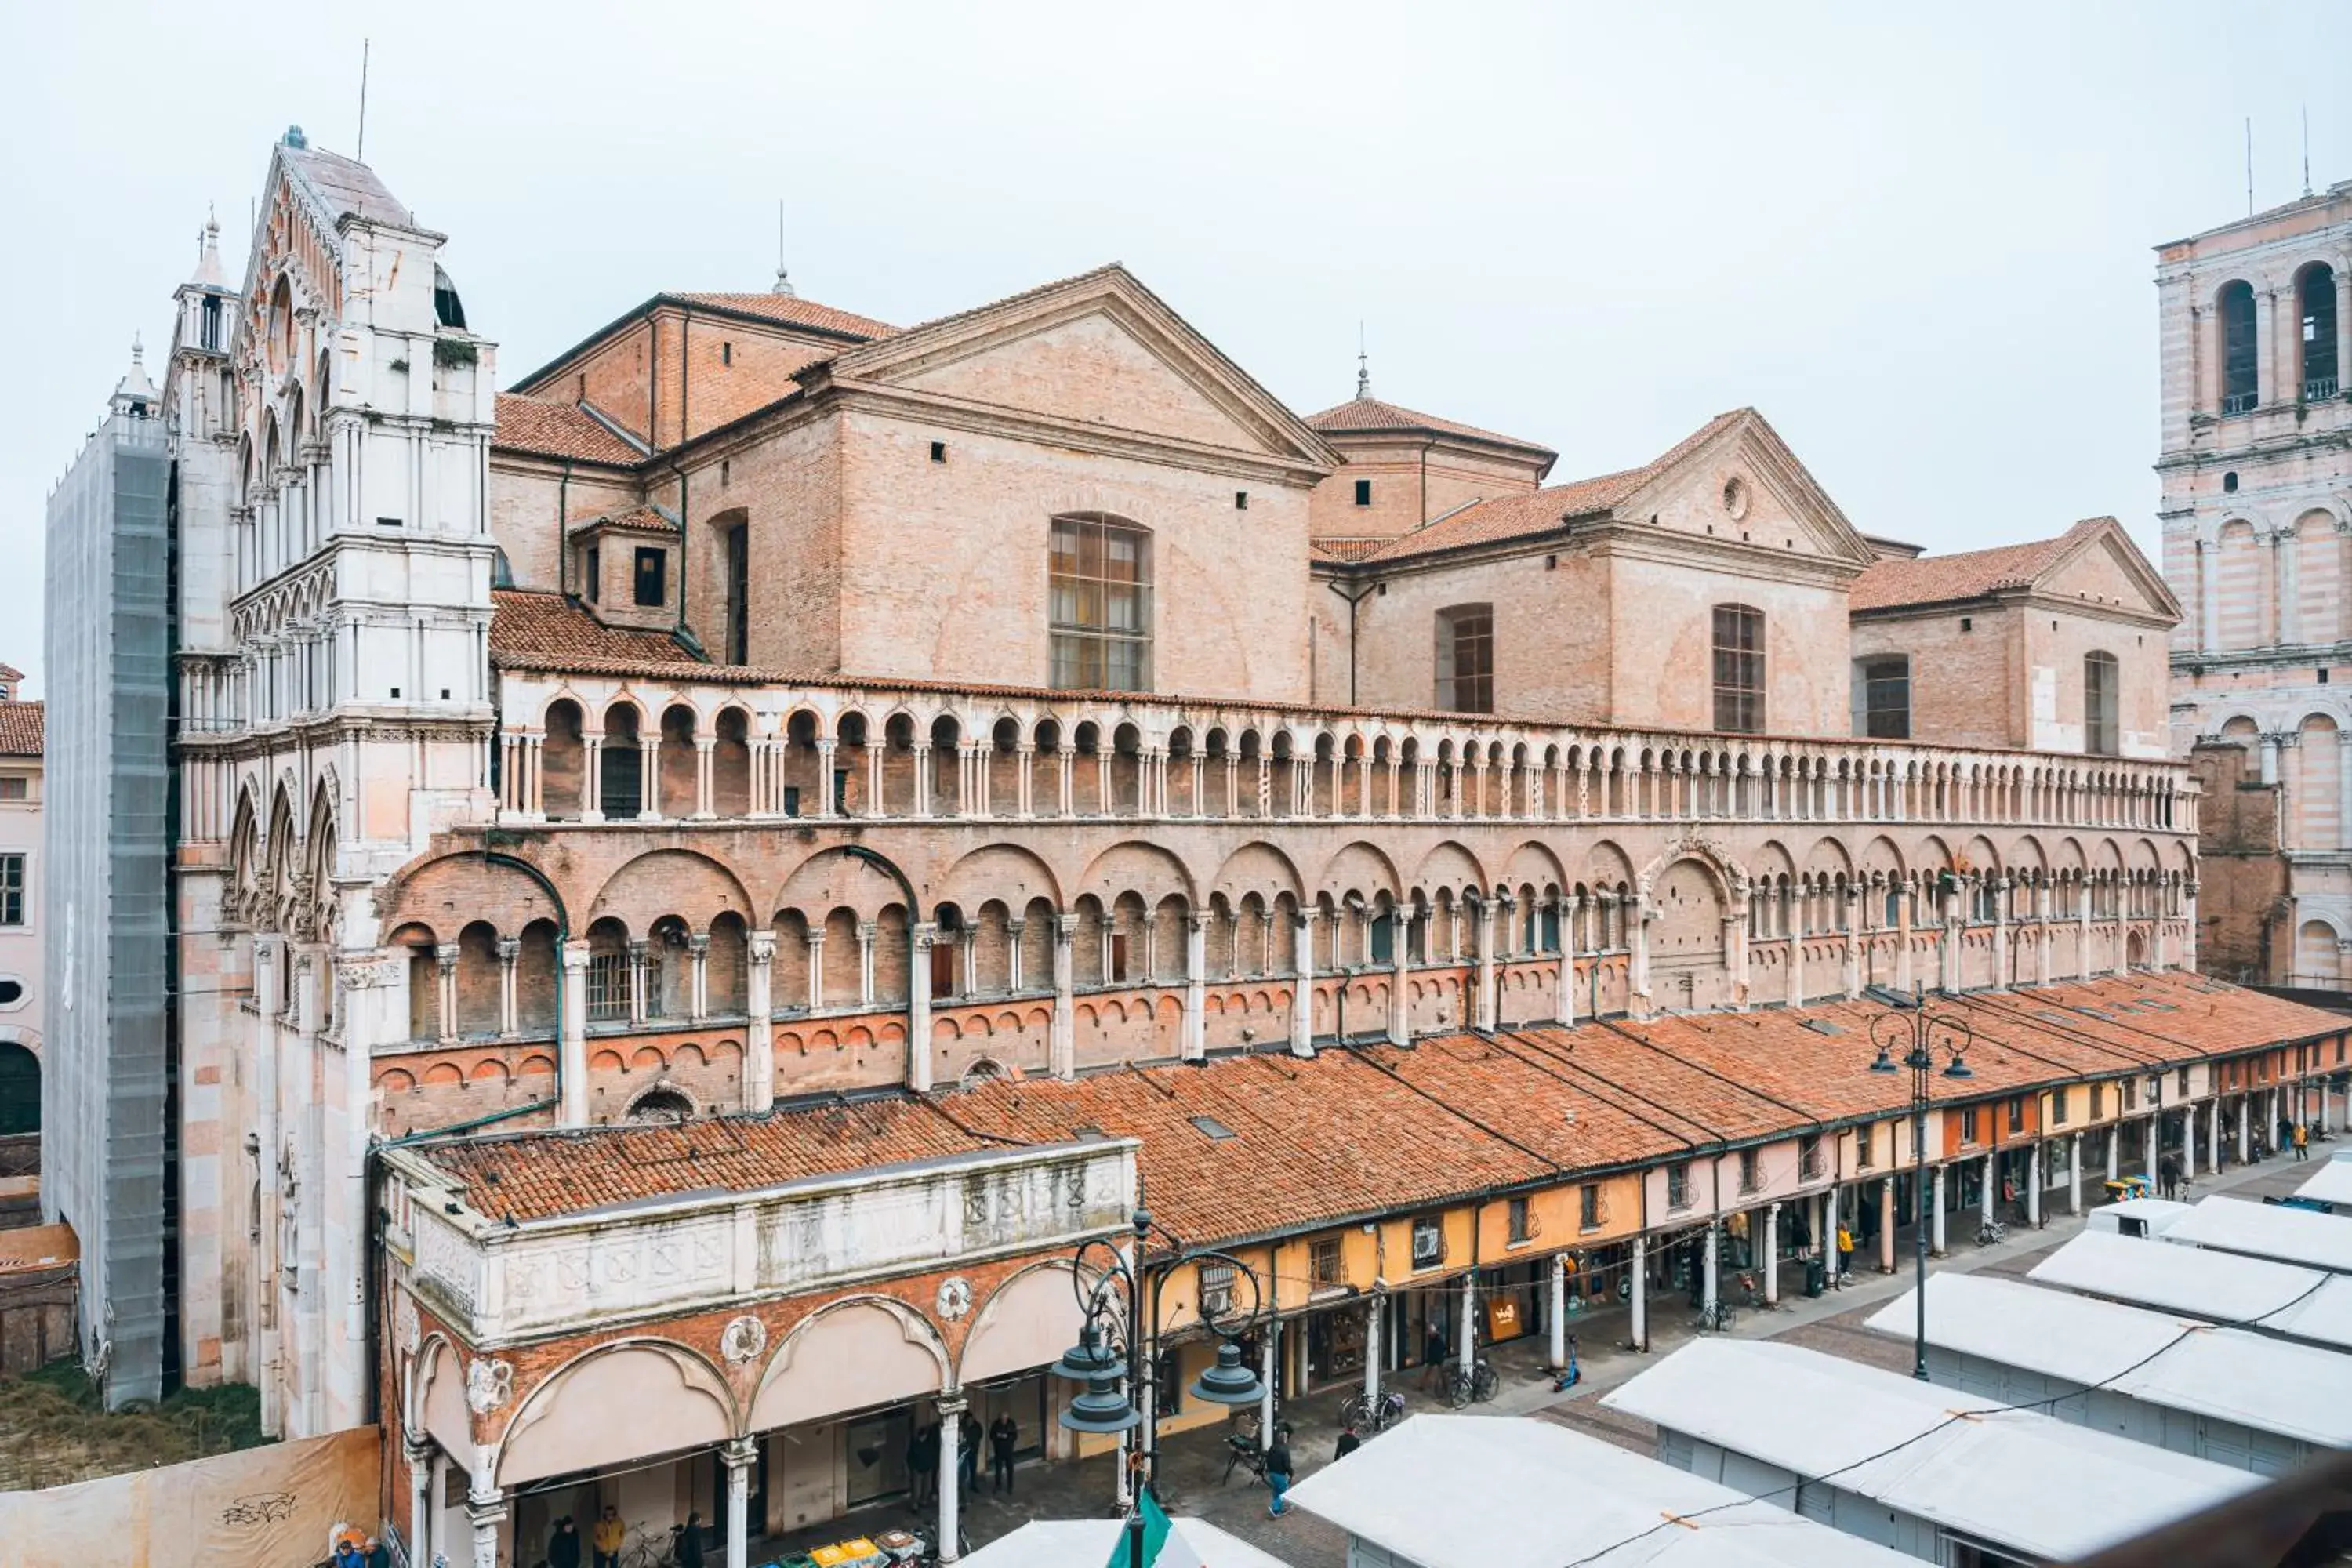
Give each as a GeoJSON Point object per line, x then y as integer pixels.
{"type": "Point", "coordinates": [2316, 299]}
{"type": "Point", "coordinates": [2101, 690]}
{"type": "Point", "coordinates": [1099, 605]}
{"type": "Point", "coordinates": [1882, 698]}
{"type": "Point", "coordinates": [2239, 383]}
{"type": "Point", "coordinates": [1465, 659]}
{"type": "Point", "coordinates": [662, 1104]}
{"type": "Point", "coordinates": [1738, 669]}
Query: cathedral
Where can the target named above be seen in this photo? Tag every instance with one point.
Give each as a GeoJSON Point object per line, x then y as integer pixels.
{"type": "Point", "coordinates": [702, 872]}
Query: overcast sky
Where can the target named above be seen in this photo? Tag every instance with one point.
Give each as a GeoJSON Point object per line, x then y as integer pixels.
{"type": "Point", "coordinates": [1918, 238]}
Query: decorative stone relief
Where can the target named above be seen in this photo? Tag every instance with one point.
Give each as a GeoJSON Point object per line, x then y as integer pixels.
{"type": "Point", "coordinates": [955, 1297]}
{"type": "Point", "coordinates": [742, 1339]}
{"type": "Point", "coordinates": [489, 1385]}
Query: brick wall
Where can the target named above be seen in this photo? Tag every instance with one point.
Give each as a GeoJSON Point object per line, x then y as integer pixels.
{"type": "Point", "coordinates": [2240, 900]}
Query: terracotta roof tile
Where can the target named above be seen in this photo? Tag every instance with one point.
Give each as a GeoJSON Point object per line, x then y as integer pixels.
{"type": "Point", "coordinates": [10, 672]}
{"type": "Point", "coordinates": [636, 519]}
{"type": "Point", "coordinates": [1516, 517]}
{"type": "Point", "coordinates": [1379, 1129]}
{"type": "Point", "coordinates": [1344, 549]}
{"type": "Point", "coordinates": [1369, 416]}
{"type": "Point", "coordinates": [543, 427]}
{"type": "Point", "coordinates": [529, 625]}
{"type": "Point", "coordinates": [1969, 574]}
{"type": "Point", "coordinates": [793, 311]}
{"type": "Point", "coordinates": [21, 728]}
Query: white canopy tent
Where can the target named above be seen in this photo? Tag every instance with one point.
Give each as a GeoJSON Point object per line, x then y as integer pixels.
{"type": "Point", "coordinates": [1088, 1543]}
{"type": "Point", "coordinates": [1469, 1491]}
{"type": "Point", "coordinates": [2332, 1182]}
{"type": "Point", "coordinates": [1908, 1463]}
{"type": "Point", "coordinates": [2238, 1398]}
{"type": "Point", "coordinates": [2282, 1299]}
{"type": "Point", "coordinates": [2267, 1230]}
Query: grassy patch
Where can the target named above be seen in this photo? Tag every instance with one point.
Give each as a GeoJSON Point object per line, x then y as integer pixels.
{"type": "Point", "coordinates": [52, 1430]}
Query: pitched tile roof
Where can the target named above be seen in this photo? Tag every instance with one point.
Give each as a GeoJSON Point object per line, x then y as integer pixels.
{"type": "Point", "coordinates": [527, 625]}
{"type": "Point", "coordinates": [1376, 1129]}
{"type": "Point", "coordinates": [636, 519]}
{"type": "Point", "coordinates": [22, 728]}
{"type": "Point", "coordinates": [10, 672]}
{"type": "Point", "coordinates": [547, 428]}
{"type": "Point", "coordinates": [534, 1175]}
{"type": "Point", "coordinates": [1516, 517]}
{"type": "Point", "coordinates": [1344, 549]}
{"type": "Point", "coordinates": [1969, 574]}
{"type": "Point", "coordinates": [1369, 416]}
{"type": "Point", "coordinates": [792, 310]}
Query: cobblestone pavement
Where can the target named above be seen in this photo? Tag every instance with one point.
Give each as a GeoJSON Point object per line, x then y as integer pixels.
{"type": "Point", "coordinates": [1192, 1464]}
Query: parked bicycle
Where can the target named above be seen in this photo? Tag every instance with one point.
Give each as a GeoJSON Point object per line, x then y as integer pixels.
{"type": "Point", "coordinates": [1990, 1232]}
{"type": "Point", "coordinates": [651, 1547]}
{"type": "Point", "coordinates": [1371, 1415]}
{"type": "Point", "coordinates": [1479, 1384]}
{"type": "Point", "coordinates": [1717, 1319]}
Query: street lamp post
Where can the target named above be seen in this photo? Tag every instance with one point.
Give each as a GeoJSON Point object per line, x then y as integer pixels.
{"type": "Point", "coordinates": [1924, 1035]}
{"type": "Point", "coordinates": [1096, 1359]}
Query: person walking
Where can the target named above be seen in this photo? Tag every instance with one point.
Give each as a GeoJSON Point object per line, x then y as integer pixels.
{"type": "Point", "coordinates": [2167, 1177]}
{"type": "Point", "coordinates": [563, 1546]}
{"type": "Point", "coordinates": [1844, 1252]}
{"type": "Point", "coordinates": [1277, 1470]}
{"type": "Point", "coordinates": [348, 1554]}
{"type": "Point", "coordinates": [607, 1536]}
{"type": "Point", "coordinates": [1432, 1357]}
{"type": "Point", "coordinates": [1003, 1436]}
{"type": "Point", "coordinates": [2302, 1142]}
{"type": "Point", "coordinates": [1348, 1444]}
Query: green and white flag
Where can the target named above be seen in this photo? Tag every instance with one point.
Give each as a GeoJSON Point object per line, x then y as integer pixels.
{"type": "Point", "coordinates": [1162, 1546]}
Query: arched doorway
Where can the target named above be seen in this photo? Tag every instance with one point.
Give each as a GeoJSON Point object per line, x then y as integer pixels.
{"type": "Point", "coordinates": [20, 1089]}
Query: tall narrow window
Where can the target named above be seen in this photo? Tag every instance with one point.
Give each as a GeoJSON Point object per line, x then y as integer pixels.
{"type": "Point", "coordinates": [1738, 669]}
{"type": "Point", "coordinates": [1100, 578]}
{"type": "Point", "coordinates": [1465, 659]}
{"type": "Point", "coordinates": [12, 889]}
{"type": "Point", "coordinates": [649, 580]}
{"type": "Point", "coordinates": [1882, 698]}
{"type": "Point", "coordinates": [210, 331]}
{"type": "Point", "coordinates": [2240, 384]}
{"type": "Point", "coordinates": [593, 577]}
{"type": "Point", "coordinates": [2316, 293]}
{"type": "Point", "coordinates": [2100, 682]}
{"type": "Point", "coordinates": [739, 594]}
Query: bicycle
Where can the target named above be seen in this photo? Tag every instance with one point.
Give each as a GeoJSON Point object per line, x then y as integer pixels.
{"type": "Point", "coordinates": [1480, 1383]}
{"type": "Point", "coordinates": [1991, 1233]}
{"type": "Point", "coordinates": [1716, 1318]}
{"type": "Point", "coordinates": [1371, 1415]}
{"type": "Point", "coordinates": [651, 1547]}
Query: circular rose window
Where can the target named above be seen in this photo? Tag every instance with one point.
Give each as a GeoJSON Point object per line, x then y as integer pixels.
{"type": "Point", "coordinates": [1735, 498]}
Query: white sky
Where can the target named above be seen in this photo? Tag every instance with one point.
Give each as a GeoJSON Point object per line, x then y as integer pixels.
{"type": "Point", "coordinates": [1918, 240]}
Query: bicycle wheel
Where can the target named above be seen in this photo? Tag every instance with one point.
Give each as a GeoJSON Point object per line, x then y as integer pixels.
{"type": "Point", "coordinates": [1484, 1385]}
{"type": "Point", "coordinates": [1355, 1410]}
{"type": "Point", "coordinates": [1457, 1388]}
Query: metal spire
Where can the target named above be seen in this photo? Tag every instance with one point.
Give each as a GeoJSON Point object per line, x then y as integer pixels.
{"type": "Point", "coordinates": [1363, 366]}
{"type": "Point", "coordinates": [783, 282]}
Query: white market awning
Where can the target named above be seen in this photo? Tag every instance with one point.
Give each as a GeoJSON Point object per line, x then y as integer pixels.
{"type": "Point", "coordinates": [2307, 1304]}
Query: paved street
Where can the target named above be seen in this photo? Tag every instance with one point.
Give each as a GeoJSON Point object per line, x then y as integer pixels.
{"type": "Point", "coordinates": [1192, 1464]}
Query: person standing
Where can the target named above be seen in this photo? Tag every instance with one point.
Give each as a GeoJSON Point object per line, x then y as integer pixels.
{"type": "Point", "coordinates": [923, 1463]}
{"type": "Point", "coordinates": [968, 1437]}
{"type": "Point", "coordinates": [689, 1542]}
{"type": "Point", "coordinates": [563, 1546]}
{"type": "Point", "coordinates": [2302, 1142]}
{"type": "Point", "coordinates": [1277, 1470]}
{"type": "Point", "coordinates": [1003, 1436]}
{"type": "Point", "coordinates": [378, 1555]}
{"type": "Point", "coordinates": [1844, 1252]}
{"type": "Point", "coordinates": [607, 1536]}
{"type": "Point", "coordinates": [1348, 1444]}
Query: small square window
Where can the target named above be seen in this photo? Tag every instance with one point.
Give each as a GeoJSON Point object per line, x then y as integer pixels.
{"type": "Point", "coordinates": [1216, 1289]}
{"type": "Point", "coordinates": [726, 354]}
{"type": "Point", "coordinates": [387, 522]}
{"type": "Point", "coordinates": [1323, 1262]}
{"type": "Point", "coordinates": [2017, 1113]}
{"type": "Point", "coordinates": [939, 451]}
{"type": "Point", "coordinates": [2323, 676]}
{"type": "Point", "coordinates": [726, 471]}
{"type": "Point", "coordinates": [1241, 500]}
{"type": "Point", "coordinates": [1519, 1220]}
{"type": "Point", "coordinates": [15, 788]}
{"type": "Point", "coordinates": [1967, 623]}
{"type": "Point", "coordinates": [1591, 1212]}
{"type": "Point", "coordinates": [1862, 1154]}
{"type": "Point", "coordinates": [1363, 492]}
{"type": "Point", "coordinates": [1678, 1185]}
{"type": "Point", "coordinates": [1428, 1244]}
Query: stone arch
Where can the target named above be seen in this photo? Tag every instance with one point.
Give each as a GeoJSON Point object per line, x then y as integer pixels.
{"type": "Point", "coordinates": [445, 892]}
{"type": "Point", "coordinates": [843, 878]}
{"type": "Point", "coordinates": [670, 881]}
{"type": "Point", "coordinates": [1026, 1321]}
{"type": "Point", "coordinates": [1006, 872]}
{"type": "Point", "coordinates": [846, 1355]}
{"type": "Point", "coordinates": [1134, 866]}
{"type": "Point", "coordinates": [565, 1423]}
{"type": "Point", "coordinates": [1533, 863]}
{"type": "Point", "coordinates": [1448, 864]}
{"type": "Point", "coordinates": [1360, 867]}
{"type": "Point", "coordinates": [1259, 867]}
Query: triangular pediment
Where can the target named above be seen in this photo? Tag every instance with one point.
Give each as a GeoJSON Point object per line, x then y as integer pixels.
{"type": "Point", "coordinates": [1736, 481]}
{"type": "Point", "coordinates": [2101, 565]}
{"type": "Point", "coordinates": [1099, 351]}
